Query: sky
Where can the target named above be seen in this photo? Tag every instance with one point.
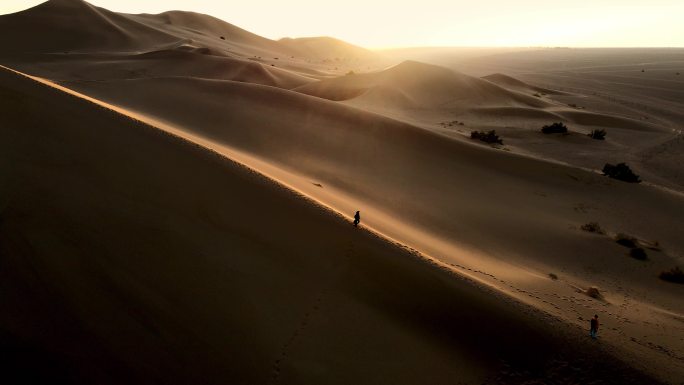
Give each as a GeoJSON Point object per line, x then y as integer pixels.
{"type": "Point", "coordinates": [391, 24]}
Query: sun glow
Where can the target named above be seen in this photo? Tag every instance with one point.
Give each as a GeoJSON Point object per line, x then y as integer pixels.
{"type": "Point", "coordinates": [384, 24]}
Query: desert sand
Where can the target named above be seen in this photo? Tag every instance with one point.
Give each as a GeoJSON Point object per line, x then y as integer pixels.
{"type": "Point", "coordinates": [176, 195]}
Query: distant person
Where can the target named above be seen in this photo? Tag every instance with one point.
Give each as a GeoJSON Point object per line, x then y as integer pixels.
{"type": "Point", "coordinates": [357, 219]}
{"type": "Point", "coordinates": [594, 326]}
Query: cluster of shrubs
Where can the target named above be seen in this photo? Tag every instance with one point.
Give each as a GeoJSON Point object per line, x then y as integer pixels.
{"type": "Point", "coordinates": [560, 128]}
{"type": "Point", "coordinates": [620, 171]}
{"type": "Point", "coordinates": [597, 134]}
{"type": "Point", "coordinates": [675, 275]}
{"type": "Point", "coordinates": [555, 128]}
{"type": "Point", "coordinates": [453, 123]}
{"type": "Point", "coordinates": [593, 227]}
{"type": "Point", "coordinates": [630, 242]}
{"type": "Point", "coordinates": [487, 137]}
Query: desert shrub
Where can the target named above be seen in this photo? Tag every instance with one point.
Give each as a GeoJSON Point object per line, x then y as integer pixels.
{"type": "Point", "coordinates": [487, 137]}
{"type": "Point", "coordinates": [620, 171]}
{"type": "Point", "coordinates": [626, 240]}
{"type": "Point", "coordinates": [638, 253]}
{"type": "Point", "coordinates": [223, 38]}
{"type": "Point", "coordinates": [555, 128]}
{"type": "Point", "coordinates": [351, 72]}
{"type": "Point", "coordinates": [598, 134]}
{"type": "Point", "coordinates": [553, 276]}
{"type": "Point", "coordinates": [536, 94]}
{"type": "Point", "coordinates": [593, 292]}
{"type": "Point", "coordinates": [592, 227]}
{"type": "Point", "coordinates": [675, 275]}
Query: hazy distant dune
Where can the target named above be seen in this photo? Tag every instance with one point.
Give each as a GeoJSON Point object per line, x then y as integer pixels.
{"type": "Point", "coordinates": [512, 83]}
{"type": "Point", "coordinates": [416, 85]}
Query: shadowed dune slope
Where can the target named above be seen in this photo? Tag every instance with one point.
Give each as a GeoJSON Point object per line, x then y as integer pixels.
{"type": "Point", "coordinates": [65, 25]}
{"type": "Point", "coordinates": [130, 256]}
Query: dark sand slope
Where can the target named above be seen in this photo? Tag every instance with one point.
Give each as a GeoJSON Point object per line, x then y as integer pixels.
{"type": "Point", "coordinates": [129, 256]}
{"type": "Point", "coordinates": [74, 25]}
{"type": "Point", "coordinates": [507, 219]}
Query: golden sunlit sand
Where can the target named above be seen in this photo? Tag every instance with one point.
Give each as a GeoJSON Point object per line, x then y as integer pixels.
{"type": "Point", "coordinates": [176, 197]}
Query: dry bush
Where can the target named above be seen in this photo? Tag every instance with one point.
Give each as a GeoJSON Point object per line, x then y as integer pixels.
{"type": "Point", "coordinates": [621, 171]}
{"type": "Point", "coordinates": [598, 134]}
{"type": "Point", "coordinates": [675, 275]}
{"type": "Point", "coordinates": [592, 227]}
{"type": "Point", "coordinates": [487, 137]}
{"type": "Point", "coordinates": [638, 253]}
{"type": "Point", "coordinates": [626, 240]}
{"type": "Point", "coordinates": [555, 128]}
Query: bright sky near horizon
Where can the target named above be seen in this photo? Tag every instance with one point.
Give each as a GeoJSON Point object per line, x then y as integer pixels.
{"type": "Point", "coordinates": [389, 24]}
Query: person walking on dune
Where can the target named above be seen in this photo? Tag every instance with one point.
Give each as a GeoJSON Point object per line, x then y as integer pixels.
{"type": "Point", "coordinates": [594, 326]}
{"type": "Point", "coordinates": [357, 219]}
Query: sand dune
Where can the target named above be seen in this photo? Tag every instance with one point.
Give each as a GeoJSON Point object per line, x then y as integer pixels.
{"type": "Point", "coordinates": [513, 83]}
{"type": "Point", "coordinates": [85, 28]}
{"type": "Point", "coordinates": [416, 85]}
{"type": "Point", "coordinates": [199, 242]}
{"type": "Point", "coordinates": [592, 89]}
{"type": "Point", "coordinates": [328, 48]}
{"type": "Point", "coordinates": [81, 27]}
{"type": "Point", "coordinates": [460, 211]}
{"type": "Point", "coordinates": [163, 262]}
{"type": "Point", "coordinates": [667, 158]}
{"type": "Point", "coordinates": [182, 61]}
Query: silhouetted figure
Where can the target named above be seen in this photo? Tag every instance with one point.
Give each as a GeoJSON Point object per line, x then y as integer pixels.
{"type": "Point", "coordinates": [357, 218]}
{"type": "Point", "coordinates": [594, 326]}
